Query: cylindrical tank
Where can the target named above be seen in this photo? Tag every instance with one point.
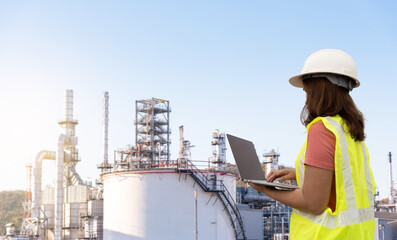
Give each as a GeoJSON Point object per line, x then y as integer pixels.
{"type": "Point", "coordinates": [156, 204]}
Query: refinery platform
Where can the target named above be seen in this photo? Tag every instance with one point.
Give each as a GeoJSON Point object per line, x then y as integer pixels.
{"type": "Point", "coordinates": [144, 194]}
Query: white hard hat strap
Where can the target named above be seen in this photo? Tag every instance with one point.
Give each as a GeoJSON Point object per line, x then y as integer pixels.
{"type": "Point", "coordinates": [338, 80]}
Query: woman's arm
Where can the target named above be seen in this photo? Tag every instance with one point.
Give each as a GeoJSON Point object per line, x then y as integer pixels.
{"type": "Point", "coordinates": [312, 197]}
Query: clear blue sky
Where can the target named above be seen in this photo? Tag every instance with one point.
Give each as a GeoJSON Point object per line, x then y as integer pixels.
{"type": "Point", "coordinates": [222, 64]}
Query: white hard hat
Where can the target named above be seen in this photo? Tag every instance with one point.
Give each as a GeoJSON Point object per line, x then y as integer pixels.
{"type": "Point", "coordinates": [330, 62]}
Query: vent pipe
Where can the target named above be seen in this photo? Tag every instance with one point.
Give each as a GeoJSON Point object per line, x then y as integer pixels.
{"type": "Point", "coordinates": [391, 192]}
{"type": "Point", "coordinates": [59, 188]}
{"type": "Point", "coordinates": [105, 123]}
{"type": "Point", "coordinates": [181, 142]}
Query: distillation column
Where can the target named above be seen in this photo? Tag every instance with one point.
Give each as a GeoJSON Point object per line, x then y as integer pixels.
{"type": "Point", "coordinates": [219, 150]}
{"type": "Point", "coordinates": [66, 160]}
{"type": "Point", "coordinates": [68, 124]}
{"type": "Point", "coordinates": [59, 188]}
{"type": "Point", "coordinates": [181, 142]}
{"type": "Point", "coordinates": [105, 124]}
{"type": "Point", "coordinates": [184, 147]}
{"type": "Point", "coordinates": [271, 162]}
{"type": "Point", "coordinates": [391, 192]}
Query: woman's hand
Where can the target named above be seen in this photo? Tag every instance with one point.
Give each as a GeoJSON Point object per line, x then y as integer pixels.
{"type": "Point", "coordinates": [281, 175]}
{"type": "Point", "coordinates": [312, 197]}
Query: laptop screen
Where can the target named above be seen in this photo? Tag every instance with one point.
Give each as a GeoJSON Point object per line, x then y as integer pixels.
{"type": "Point", "coordinates": [246, 159]}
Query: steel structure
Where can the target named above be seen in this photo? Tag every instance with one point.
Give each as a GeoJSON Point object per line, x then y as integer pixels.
{"type": "Point", "coordinates": [152, 130]}
{"type": "Point", "coordinates": [276, 219]}
{"type": "Point", "coordinates": [156, 191]}
{"type": "Point", "coordinates": [276, 216]}
{"type": "Point", "coordinates": [212, 184]}
{"type": "Point", "coordinates": [184, 148]}
{"type": "Point", "coordinates": [105, 166]}
{"type": "Point", "coordinates": [390, 205]}
{"type": "Point", "coordinates": [218, 150]}
{"type": "Point", "coordinates": [391, 189]}
{"type": "Point", "coordinates": [29, 225]}
{"type": "Point", "coordinates": [68, 124]}
{"type": "Point", "coordinates": [271, 162]}
{"type": "Point", "coordinates": [28, 192]}
{"type": "Point", "coordinates": [55, 212]}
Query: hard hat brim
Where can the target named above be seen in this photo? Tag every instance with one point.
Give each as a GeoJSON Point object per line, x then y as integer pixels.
{"type": "Point", "coordinates": [296, 81]}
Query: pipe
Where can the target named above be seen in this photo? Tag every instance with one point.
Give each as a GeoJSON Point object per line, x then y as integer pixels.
{"type": "Point", "coordinates": [181, 142]}
{"type": "Point", "coordinates": [195, 215]}
{"type": "Point", "coordinates": [256, 198]}
{"type": "Point", "coordinates": [37, 177]}
{"type": "Point", "coordinates": [59, 188]}
{"type": "Point", "coordinates": [391, 198]}
{"type": "Point", "coordinates": [105, 124]}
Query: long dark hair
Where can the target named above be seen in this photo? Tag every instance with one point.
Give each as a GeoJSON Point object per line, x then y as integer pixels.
{"type": "Point", "coordinates": [324, 98]}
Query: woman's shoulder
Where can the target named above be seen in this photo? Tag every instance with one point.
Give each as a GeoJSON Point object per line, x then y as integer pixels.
{"type": "Point", "coordinates": [318, 129]}
{"type": "Point", "coordinates": [320, 147]}
{"type": "Point", "coordinates": [326, 123]}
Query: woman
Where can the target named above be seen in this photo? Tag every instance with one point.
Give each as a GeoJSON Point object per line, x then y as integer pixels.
{"type": "Point", "coordinates": [335, 199]}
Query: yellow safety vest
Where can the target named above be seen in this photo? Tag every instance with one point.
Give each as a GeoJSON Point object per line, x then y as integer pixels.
{"type": "Point", "coordinates": [355, 187]}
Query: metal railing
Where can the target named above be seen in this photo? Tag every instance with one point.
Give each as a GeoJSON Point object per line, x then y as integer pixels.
{"type": "Point", "coordinates": [234, 213]}
{"type": "Point", "coordinates": [213, 185]}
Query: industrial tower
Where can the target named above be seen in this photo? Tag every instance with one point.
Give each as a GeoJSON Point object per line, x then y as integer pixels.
{"type": "Point", "coordinates": [152, 130]}
{"type": "Point", "coordinates": [67, 210]}
{"type": "Point", "coordinates": [68, 123]}
{"type": "Point", "coordinates": [271, 162]}
{"type": "Point", "coordinates": [218, 150]}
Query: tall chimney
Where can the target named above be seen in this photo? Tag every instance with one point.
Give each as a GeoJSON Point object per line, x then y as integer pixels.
{"type": "Point", "coordinates": [181, 142]}
{"type": "Point", "coordinates": [59, 196]}
{"type": "Point", "coordinates": [391, 198]}
{"type": "Point", "coordinates": [105, 123]}
{"type": "Point", "coordinates": [68, 112]}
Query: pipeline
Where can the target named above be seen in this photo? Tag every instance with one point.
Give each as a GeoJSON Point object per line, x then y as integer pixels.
{"type": "Point", "coordinates": [37, 178]}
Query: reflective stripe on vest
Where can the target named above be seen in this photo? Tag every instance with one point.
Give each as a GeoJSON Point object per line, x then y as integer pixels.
{"type": "Point", "coordinates": [343, 218]}
{"type": "Point", "coordinates": [301, 166]}
{"type": "Point", "coordinates": [352, 215]}
{"type": "Point", "coordinates": [346, 172]}
{"type": "Point", "coordinates": [368, 176]}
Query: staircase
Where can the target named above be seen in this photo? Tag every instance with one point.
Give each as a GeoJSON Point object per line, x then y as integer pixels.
{"type": "Point", "coordinates": [213, 185]}
{"type": "Point", "coordinates": [75, 178]}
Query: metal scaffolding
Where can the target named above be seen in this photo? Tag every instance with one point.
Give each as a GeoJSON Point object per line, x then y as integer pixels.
{"type": "Point", "coordinates": [218, 150]}
{"type": "Point", "coordinates": [152, 130]}
{"type": "Point", "coordinates": [276, 216]}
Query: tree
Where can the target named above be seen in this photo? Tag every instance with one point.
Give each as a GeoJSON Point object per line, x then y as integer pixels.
{"type": "Point", "coordinates": [11, 210]}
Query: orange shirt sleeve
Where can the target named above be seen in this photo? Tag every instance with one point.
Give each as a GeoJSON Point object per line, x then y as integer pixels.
{"type": "Point", "coordinates": [320, 150]}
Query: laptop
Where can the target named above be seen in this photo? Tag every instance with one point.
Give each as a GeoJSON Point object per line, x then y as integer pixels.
{"type": "Point", "coordinates": [248, 164]}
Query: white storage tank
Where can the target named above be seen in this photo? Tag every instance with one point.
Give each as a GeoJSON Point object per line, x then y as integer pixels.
{"type": "Point", "coordinates": [160, 204]}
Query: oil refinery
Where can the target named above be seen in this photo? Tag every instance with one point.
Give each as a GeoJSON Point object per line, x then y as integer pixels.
{"type": "Point", "coordinates": [144, 194]}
